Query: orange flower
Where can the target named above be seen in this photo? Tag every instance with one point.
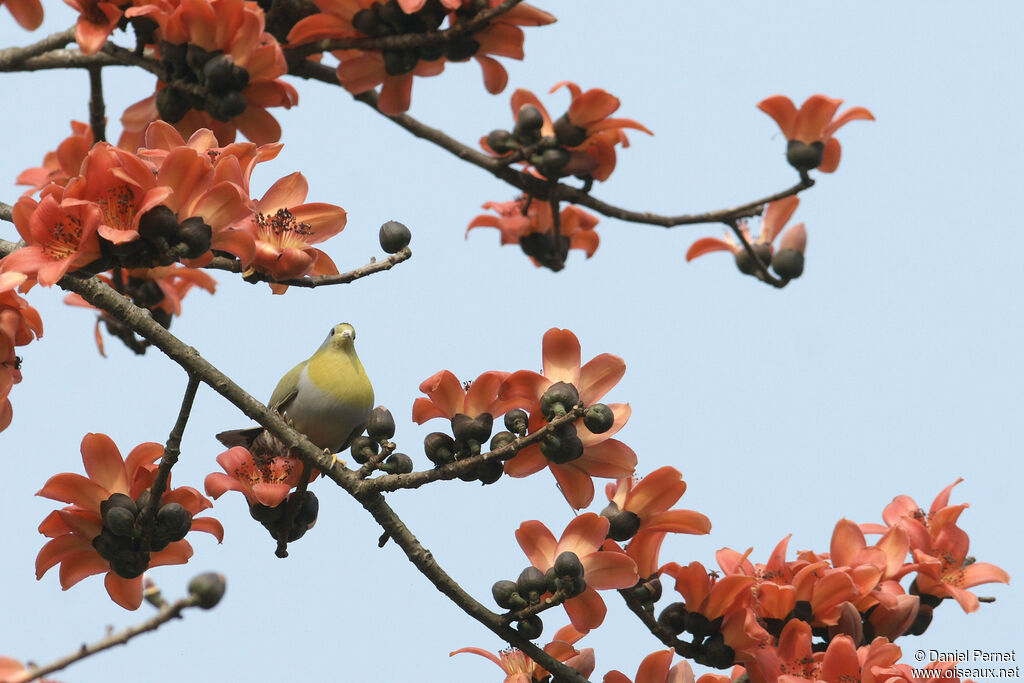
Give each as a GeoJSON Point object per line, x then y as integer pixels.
{"type": "Point", "coordinates": [59, 238]}
{"type": "Point", "coordinates": [122, 186]}
{"type": "Point", "coordinates": [76, 530]}
{"type": "Point", "coordinates": [602, 570]}
{"type": "Point", "coordinates": [28, 13]}
{"type": "Point", "coordinates": [602, 456]}
{"type": "Point", "coordinates": [945, 570]}
{"type": "Point", "coordinates": [793, 659]}
{"type": "Point", "coordinates": [394, 70]}
{"type": "Point", "coordinates": [921, 527]}
{"type": "Point", "coordinates": [530, 224]}
{"type": "Point", "coordinates": [238, 77]}
{"type": "Point", "coordinates": [657, 668]}
{"type": "Point", "coordinates": [650, 499]}
{"type": "Point", "coordinates": [447, 397]}
{"type": "Point", "coordinates": [284, 228]}
{"type": "Point", "coordinates": [706, 594]}
{"type": "Point", "coordinates": [266, 480]}
{"type": "Point", "coordinates": [63, 164]}
{"type": "Point", "coordinates": [585, 129]}
{"type": "Point", "coordinates": [809, 130]}
{"type": "Point", "coordinates": [776, 214]}
{"type": "Point", "coordinates": [96, 21]}
{"type": "Point", "coordinates": [519, 668]}
{"type": "Point", "coordinates": [19, 324]}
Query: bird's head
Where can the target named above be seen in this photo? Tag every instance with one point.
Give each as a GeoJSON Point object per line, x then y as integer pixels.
{"type": "Point", "coordinates": [341, 338]}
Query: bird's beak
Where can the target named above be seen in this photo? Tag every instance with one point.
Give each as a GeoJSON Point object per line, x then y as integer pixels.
{"type": "Point", "coordinates": [347, 334]}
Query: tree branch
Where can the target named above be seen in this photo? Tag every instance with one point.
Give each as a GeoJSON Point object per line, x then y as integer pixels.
{"type": "Point", "coordinates": [374, 266]}
{"type": "Point", "coordinates": [97, 109]}
{"type": "Point", "coordinates": [12, 57]}
{"type": "Point", "coordinates": [166, 613]}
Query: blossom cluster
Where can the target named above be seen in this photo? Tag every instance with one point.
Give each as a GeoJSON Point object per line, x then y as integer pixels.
{"type": "Point", "coordinates": [112, 526]}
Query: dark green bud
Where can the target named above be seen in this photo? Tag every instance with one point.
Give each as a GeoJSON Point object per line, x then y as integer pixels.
{"type": "Point", "coordinates": [517, 421]}
{"type": "Point", "coordinates": [673, 618]}
{"type": "Point", "coordinates": [502, 439]}
{"type": "Point", "coordinates": [531, 584]}
{"type": "Point", "coordinates": [308, 511]}
{"type": "Point", "coordinates": [466, 428]}
{"type": "Point", "coordinates": [622, 524]}
{"type": "Point", "coordinates": [118, 500]}
{"type": "Point", "coordinates": [394, 237]}
{"type": "Point", "coordinates": [172, 104]}
{"type": "Point", "coordinates": [531, 627]}
{"type": "Point", "coordinates": [503, 592]}
{"type": "Point", "coordinates": [129, 564]}
{"type": "Point", "coordinates": [439, 448]}
{"type": "Point", "coordinates": [174, 521]}
{"type": "Point", "coordinates": [365, 21]}
{"type": "Point", "coordinates": [397, 463]}
{"type": "Point", "coordinates": [159, 223]}
{"type": "Point", "coordinates": [120, 521]}
{"type": "Point", "coordinates": [208, 588]}
{"type": "Point", "coordinates": [264, 514]}
{"type": "Point", "coordinates": [568, 565]}
{"type": "Point", "coordinates": [226, 105]}
{"type": "Point", "coordinates": [598, 418]}
{"type": "Point", "coordinates": [804, 157]}
{"type": "Point", "coordinates": [501, 141]}
{"type": "Point", "coordinates": [217, 73]}
{"type": "Point", "coordinates": [562, 445]}
{"type": "Point", "coordinates": [922, 621]}
{"type": "Point", "coordinates": [568, 133]}
{"type": "Point", "coordinates": [196, 235]}
{"type": "Point", "coordinates": [106, 544]}
{"type": "Point", "coordinates": [196, 57]}
{"type": "Point", "coordinates": [489, 472]}
{"type": "Point", "coordinates": [363, 448]}
{"type": "Point", "coordinates": [461, 48]}
{"type": "Point", "coordinates": [647, 591]}
{"type": "Point", "coordinates": [746, 263]}
{"type": "Point", "coordinates": [718, 654]}
{"type": "Point", "coordinates": [399, 62]}
{"type": "Point", "coordinates": [560, 398]}
{"type": "Point", "coordinates": [552, 161]}
{"type": "Point", "coordinates": [381, 424]}
{"type": "Point", "coordinates": [788, 264]}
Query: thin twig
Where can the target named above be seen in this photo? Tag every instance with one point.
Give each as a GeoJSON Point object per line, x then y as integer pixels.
{"type": "Point", "coordinates": [97, 109]}
{"type": "Point", "coordinates": [166, 613]}
{"type": "Point", "coordinates": [414, 480]}
{"type": "Point", "coordinates": [374, 266]}
{"type": "Point", "coordinates": [762, 267]}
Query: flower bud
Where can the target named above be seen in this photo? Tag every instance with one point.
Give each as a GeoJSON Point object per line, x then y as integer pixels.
{"type": "Point", "coordinates": [226, 105]}
{"type": "Point", "coordinates": [922, 621]}
{"type": "Point", "coordinates": [568, 133]}
{"type": "Point", "coordinates": [560, 398]}
{"type": "Point", "coordinates": [120, 521]}
{"type": "Point", "coordinates": [380, 426]}
{"type": "Point", "coordinates": [172, 104]}
{"type": "Point", "coordinates": [217, 73]}
{"type": "Point", "coordinates": [196, 235]}
{"type": "Point", "coordinates": [476, 429]}
{"type": "Point", "coordinates": [804, 157]}
{"type": "Point", "coordinates": [439, 448]}
{"type": "Point", "coordinates": [159, 223]}
{"type": "Point", "coordinates": [106, 544]}
{"type": "Point", "coordinates": [208, 588]}
{"type": "Point", "coordinates": [365, 21]}
{"type": "Point", "coordinates": [673, 618]}
{"type": "Point", "coordinates": [489, 471]}
{"type": "Point", "coordinates": [529, 121]}
{"type": "Point", "coordinates": [129, 564]}
{"type": "Point", "coordinates": [502, 439]}
{"type": "Point", "coordinates": [305, 518]}
{"type": "Point", "coordinates": [746, 263]}
{"type": "Point", "coordinates": [531, 627]}
{"type": "Point", "coordinates": [399, 62]}
{"type": "Point", "coordinates": [501, 141]}
{"type": "Point", "coordinates": [531, 584]}
{"type": "Point", "coordinates": [562, 445]}
{"type": "Point", "coordinates": [647, 591]}
{"type": "Point", "coordinates": [622, 524]}
{"type": "Point", "coordinates": [568, 564]}
{"type": "Point", "coordinates": [174, 521]}
{"type": "Point", "coordinates": [265, 514]}
{"type": "Point", "coordinates": [394, 237]}
{"type": "Point", "coordinates": [505, 594]}
{"type": "Point", "coordinates": [461, 48]}
{"type": "Point", "coordinates": [551, 162]}
{"type": "Point", "coordinates": [517, 421]}
{"type": "Point", "coordinates": [363, 448]}
{"type": "Point", "coordinates": [788, 264]}
{"type": "Point", "coordinates": [719, 655]}
{"type": "Point", "coordinates": [598, 418]}
{"type": "Point", "coordinates": [397, 463]}
{"type": "Point", "coordinates": [118, 500]}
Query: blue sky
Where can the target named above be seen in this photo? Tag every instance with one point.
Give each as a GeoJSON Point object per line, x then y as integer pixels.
{"type": "Point", "coordinates": [892, 367]}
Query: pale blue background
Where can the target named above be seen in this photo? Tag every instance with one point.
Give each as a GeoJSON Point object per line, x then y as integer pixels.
{"type": "Point", "coordinates": [892, 367]}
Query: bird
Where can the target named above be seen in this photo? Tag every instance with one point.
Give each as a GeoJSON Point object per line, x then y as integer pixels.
{"type": "Point", "coordinates": [327, 397]}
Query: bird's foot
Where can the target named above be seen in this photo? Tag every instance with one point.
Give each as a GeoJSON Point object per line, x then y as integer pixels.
{"type": "Point", "coordinates": [334, 458]}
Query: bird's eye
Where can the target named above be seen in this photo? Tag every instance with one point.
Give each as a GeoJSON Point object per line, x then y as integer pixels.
{"type": "Point", "coordinates": [331, 333]}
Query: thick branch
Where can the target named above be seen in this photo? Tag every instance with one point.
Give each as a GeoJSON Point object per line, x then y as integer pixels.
{"type": "Point", "coordinates": [11, 57]}
{"type": "Point", "coordinates": [97, 109]}
{"type": "Point", "coordinates": [62, 59]}
{"type": "Point", "coordinates": [166, 613]}
{"type": "Point", "coordinates": [424, 562]}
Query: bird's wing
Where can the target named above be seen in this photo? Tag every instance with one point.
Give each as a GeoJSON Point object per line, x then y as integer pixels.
{"type": "Point", "coordinates": [239, 437]}
{"type": "Point", "coordinates": [286, 389]}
